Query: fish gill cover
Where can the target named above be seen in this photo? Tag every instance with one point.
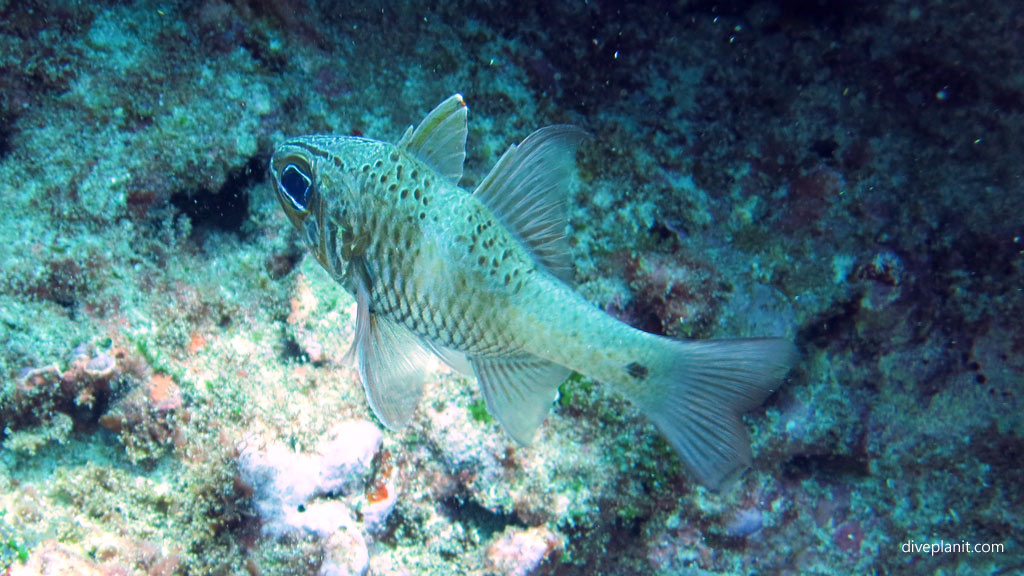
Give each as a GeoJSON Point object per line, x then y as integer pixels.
{"type": "Point", "coordinates": [175, 397]}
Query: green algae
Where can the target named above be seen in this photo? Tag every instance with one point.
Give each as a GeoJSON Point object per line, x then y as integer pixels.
{"type": "Point", "coordinates": [11, 547]}
{"type": "Point", "coordinates": [478, 410]}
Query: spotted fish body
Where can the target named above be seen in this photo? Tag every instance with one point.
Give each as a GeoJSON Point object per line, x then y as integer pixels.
{"type": "Point", "coordinates": [481, 280]}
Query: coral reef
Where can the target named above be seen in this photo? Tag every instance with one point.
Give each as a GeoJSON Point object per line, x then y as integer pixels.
{"type": "Point", "coordinates": [174, 391]}
{"type": "Point", "coordinates": [285, 483]}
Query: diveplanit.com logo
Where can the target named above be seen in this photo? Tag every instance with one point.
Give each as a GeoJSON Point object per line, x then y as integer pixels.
{"type": "Point", "coordinates": [943, 547]}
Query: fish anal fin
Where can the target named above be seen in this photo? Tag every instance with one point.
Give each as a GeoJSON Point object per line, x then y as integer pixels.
{"type": "Point", "coordinates": [528, 191]}
{"type": "Point", "coordinates": [519, 391]}
{"type": "Point", "coordinates": [440, 139]}
{"type": "Point", "coordinates": [392, 364]}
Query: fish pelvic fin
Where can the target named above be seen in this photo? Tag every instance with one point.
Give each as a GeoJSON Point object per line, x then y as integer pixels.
{"type": "Point", "coordinates": [519, 391]}
{"type": "Point", "coordinates": [701, 391]}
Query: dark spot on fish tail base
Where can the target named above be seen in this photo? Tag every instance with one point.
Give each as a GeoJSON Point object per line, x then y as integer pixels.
{"type": "Point", "coordinates": [637, 371]}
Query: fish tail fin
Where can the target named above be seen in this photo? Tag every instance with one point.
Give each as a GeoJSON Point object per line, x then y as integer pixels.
{"type": "Point", "coordinates": [698, 392]}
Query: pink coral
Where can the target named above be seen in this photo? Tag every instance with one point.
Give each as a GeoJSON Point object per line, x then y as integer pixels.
{"type": "Point", "coordinates": [519, 552]}
{"type": "Point", "coordinates": [849, 536]}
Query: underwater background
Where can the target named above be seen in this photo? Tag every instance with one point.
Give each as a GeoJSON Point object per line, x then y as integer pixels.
{"type": "Point", "coordinates": [849, 175]}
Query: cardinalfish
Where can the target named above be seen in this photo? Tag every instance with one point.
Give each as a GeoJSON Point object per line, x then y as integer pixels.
{"type": "Point", "coordinates": [482, 279]}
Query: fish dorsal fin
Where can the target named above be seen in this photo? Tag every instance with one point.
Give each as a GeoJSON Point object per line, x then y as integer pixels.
{"type": "Point", "coordinates": [440, 139]}
{"type": "Point", "coordinates": [391, 363]}
{"type": "Point", "coordinates": [519, 391]}
{"type": "Point", "coordinates": [527, 190]}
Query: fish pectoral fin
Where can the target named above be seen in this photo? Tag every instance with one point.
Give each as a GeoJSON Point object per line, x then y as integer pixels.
{"type": "Point", "coordinates": [528, 190]}
{"type": "Point", "coordinates": [440, 139]}
{"type": "Point", "coordinates": [392, 365]}
{"type": "Point", "coordinates": [519, 391]}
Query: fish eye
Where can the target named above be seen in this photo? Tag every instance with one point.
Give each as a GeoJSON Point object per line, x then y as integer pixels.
{"type": "Point", "coordinates": [296, 186]}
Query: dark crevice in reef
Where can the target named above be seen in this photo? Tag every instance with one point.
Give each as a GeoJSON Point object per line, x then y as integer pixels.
{"type": "Point", "coordinates": [228, 208]}
{"type": "Point", "coordinates": [291, 352]}
{"type": "Point", "coordinates": [281, 264]}
{"type": "Point", "coordinates": [220, 211]}
{"type": "Point", "coordinates": [6, 132]}
{"type": "Point", "coordinates": [837, 323]}
{"type": "Point", "coordinates": [1003, 453]}
{"type": "Point", "coordinates": [470, 513]}
{"type": "Point", "coordinates": [831, 467]}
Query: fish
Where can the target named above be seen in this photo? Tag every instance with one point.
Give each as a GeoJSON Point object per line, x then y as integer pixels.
{"type": "Point", "coordinates": [483, 280]}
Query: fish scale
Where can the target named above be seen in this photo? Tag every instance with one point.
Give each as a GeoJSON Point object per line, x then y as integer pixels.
{"type": "Point", "coordinates": [482, 280]}
{"type": "Point", "coordinates": [405, 301]}
{"type": "Point", "coordinates": [407, 189]}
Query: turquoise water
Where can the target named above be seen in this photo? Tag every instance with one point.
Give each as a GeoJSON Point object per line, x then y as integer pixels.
{"type": "Point", "coordinates": [175, 395]}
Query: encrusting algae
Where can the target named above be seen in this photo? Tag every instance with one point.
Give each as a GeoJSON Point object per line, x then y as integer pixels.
{"type": "Point", "coordinates": [482, 280]}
